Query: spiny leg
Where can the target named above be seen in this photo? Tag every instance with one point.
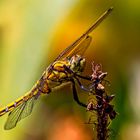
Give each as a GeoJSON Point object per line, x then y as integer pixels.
{"type": "Point", "coordinates": [81, 85]}
{"type": "Point", "coordinates": [84, 77]}
{"type": "Point", "coordinates": [78, 81]}
{"type": "Point", "coordinates": [75, 96]}
{"type": "Point", "coordinates": [75, 74]}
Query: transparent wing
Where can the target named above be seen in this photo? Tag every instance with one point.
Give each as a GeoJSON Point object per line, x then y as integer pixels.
{"type": "Point", "coordinates": [79, 49]}
{"type": "Point", "coordinates": [19, 113]}
{"type": "Point", "coordinates": [72, 47]}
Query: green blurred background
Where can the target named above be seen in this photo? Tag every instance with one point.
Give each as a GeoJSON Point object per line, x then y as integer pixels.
{"type": "Point", "coordinates": [32, 34]}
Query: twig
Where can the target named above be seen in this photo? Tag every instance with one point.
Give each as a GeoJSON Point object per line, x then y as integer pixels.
{"type": "Point", "coordinates": [104, 110]}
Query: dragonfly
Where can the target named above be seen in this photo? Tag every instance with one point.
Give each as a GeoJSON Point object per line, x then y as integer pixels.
{"type": "Point", "coordinates": [67, 67]}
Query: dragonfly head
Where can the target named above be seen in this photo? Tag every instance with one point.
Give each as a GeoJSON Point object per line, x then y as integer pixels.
{"type": "Point", "coordinates": [77, 63]}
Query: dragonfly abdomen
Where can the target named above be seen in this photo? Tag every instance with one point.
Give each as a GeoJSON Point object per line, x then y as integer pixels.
{"type": "Point", "coordinates": [42, 86]}
{"type": "Point", "coordinates": [33, 93]}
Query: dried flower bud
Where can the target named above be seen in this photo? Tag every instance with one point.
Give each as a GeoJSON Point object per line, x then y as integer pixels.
{"type": "Point", "coordinates": [100, 87]}
{"type": "Point", "coordinates": [90, 106]}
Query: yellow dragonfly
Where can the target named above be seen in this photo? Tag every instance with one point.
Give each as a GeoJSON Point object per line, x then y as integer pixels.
{"type": "Point", "coordinates": [67, 67]}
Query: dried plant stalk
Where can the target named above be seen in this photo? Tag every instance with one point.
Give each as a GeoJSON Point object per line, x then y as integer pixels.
{"type": "Point", "coordinates": [104, 110]}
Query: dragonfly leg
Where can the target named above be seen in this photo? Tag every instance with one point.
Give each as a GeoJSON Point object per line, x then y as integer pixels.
{"type": "Point", "coordinates": [75, 74]}
{"type": "Point", "coordinates": [84, 77]}
{"type": "Point", "coordinates": [75, 95]}
{"type": "Point", "coordinates": [81, 85]}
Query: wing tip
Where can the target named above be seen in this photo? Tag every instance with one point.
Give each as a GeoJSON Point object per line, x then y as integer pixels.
{"type": "Point", "coordinates": [6, 127]}
{"type": "Point", "coordinates": [110, 9]}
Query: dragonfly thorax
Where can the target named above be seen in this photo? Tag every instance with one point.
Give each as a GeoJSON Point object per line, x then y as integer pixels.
{"type": "Point", "coordinates": [77, 63]}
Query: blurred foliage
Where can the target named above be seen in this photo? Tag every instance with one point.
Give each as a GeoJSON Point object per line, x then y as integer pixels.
{"type": "Point", "coordinates": [32, 34]}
